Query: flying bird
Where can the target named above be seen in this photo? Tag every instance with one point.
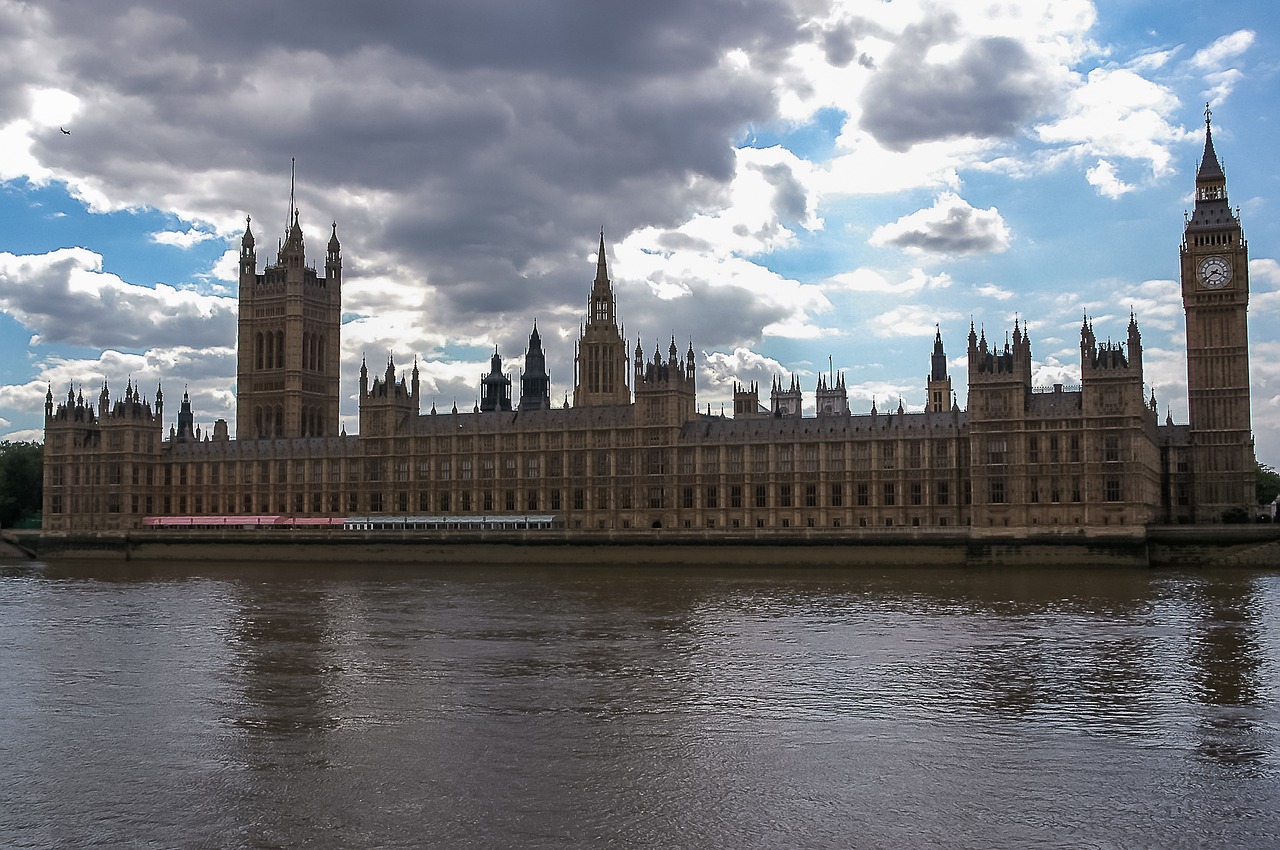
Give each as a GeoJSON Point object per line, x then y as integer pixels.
{"type": "Point", "coordinates": [65, 130]}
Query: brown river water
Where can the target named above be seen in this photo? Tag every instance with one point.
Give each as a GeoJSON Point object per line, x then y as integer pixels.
{"type": "Point", "coordinates": [363, 705]}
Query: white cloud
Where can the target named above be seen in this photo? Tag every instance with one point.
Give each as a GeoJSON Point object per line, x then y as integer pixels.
{"type": "Point", "coordinates": [1117, 113]}
{"type": "Point", "coordinates": [183, 238]}
{"type": "Point", "coordinates": [870, 280]}
{"type": "Point", "coordinates": [911, 320]}
{"type": "Point", "coordinates": [991, 291]}
{"type": "Point", "coordinates": [950, 226]}
{"type": "Point", "coordinates": [742, 365]}
{"type": "Point", "coordinates": [1223, 50]}
{"type": "Point", "coordinates": [1103, 177]}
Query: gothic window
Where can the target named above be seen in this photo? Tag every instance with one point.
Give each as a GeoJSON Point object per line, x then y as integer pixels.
{"type": "Point", "coordinates": [890, 496]}
{"type": "Point", "coordinates": [941, 454]}
{"type": "Point", "coordinates": [995, 491]}
{"type": "Point", "coordinates": [996, 451]}
{"type": "Point", "coordinates": [1111, 490]}
{"type": "Point", "coordinates": [258, 349]}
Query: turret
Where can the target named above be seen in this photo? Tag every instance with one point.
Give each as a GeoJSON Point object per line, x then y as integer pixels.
{"type": "Point", "coordinates": [495, 387]}
{"type": "Point", "coordinates": [535, 383]}
{"type": "Point", "coordinates": [186, 420]}
{"type": "Point", "coordinates": [248, 257]}
{"type": "Point", "coordinates": [938, 384]}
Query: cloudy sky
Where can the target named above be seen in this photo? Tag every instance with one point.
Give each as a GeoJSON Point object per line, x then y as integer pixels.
{"type": "Point", "coordinates": [792, 185]}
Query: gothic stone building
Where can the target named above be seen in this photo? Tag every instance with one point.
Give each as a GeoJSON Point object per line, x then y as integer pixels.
{"type": "Point", "coordinates": [633, 452]}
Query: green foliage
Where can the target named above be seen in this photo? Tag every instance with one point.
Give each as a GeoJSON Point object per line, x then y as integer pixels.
{"type": "Point", "coordinates": [21, 481]}
{"type": "Point", "coordinates": [1268, 484]}
{"type": "Point", "coordinates": [1236, 515]}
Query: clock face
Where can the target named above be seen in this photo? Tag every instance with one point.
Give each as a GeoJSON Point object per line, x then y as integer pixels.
{"type": "Point", "coordinates": [1214, 272]}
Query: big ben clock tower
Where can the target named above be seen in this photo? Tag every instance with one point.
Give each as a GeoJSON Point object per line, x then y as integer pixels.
{"type": "Point", "coordinates": [1215, 294]}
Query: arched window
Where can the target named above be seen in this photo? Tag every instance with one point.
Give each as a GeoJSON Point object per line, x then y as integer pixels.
{"type": "Point", "coordinates": [279, 349]}
{"type": "Point", "coordinates": [258, 346]}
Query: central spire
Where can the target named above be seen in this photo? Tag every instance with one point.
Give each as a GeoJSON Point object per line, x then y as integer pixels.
{"type": "Point", "coordinates": [602, 267]}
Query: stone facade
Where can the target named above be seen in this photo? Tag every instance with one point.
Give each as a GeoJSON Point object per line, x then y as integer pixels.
{"type": "Point", "coordinates": [637, 454]}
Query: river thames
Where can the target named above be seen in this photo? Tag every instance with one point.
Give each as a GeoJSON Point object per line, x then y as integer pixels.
{"type": "Point", "coordinates": [353, 706]}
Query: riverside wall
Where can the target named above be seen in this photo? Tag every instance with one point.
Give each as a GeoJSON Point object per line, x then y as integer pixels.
{"type": "Point", "coordinates": [1161, 546]}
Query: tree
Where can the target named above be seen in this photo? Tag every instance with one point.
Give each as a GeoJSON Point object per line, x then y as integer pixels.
{"type": "Point", "coordinates": [1268, 484]}
{"type": "Point", "coordinates": [21, 481]}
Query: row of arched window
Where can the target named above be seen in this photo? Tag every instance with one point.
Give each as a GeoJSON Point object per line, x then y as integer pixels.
{"type": "Point", "coordinates": [312, 351]}
{"type": "Point", "coordinates": [268, 421]}
{"type": "Point", "coordinates": [269, 351]}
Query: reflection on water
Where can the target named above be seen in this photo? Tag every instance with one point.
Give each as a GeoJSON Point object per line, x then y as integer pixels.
{"type": "Point", "coordinates": [369, 706]}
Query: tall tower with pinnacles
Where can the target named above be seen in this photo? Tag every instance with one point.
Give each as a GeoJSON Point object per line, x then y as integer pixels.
{"type": "Point", "coordinates": [288, 354]}
{"type": "Point", "coordinates": [1215, 294]}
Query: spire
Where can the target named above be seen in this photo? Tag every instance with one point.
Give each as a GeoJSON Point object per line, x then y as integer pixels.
{"type": "Point", "coordinates": [938, 361]}
{"type": "Point", "coordinates": [293, 209]}
{"type": "Point", "coordinates": [602, 267]}
{"type": "Point", "coordinates": [1210, 168]}
{"type": "Point", "coordinates": [334, 245]}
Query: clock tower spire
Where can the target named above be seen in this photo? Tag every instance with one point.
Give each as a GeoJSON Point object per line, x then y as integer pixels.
{"type": "Point", "coordinates": [1215, 295]}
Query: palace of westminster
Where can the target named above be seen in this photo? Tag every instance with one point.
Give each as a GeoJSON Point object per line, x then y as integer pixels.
{"type": "Point", "coordinates": [633, 452]}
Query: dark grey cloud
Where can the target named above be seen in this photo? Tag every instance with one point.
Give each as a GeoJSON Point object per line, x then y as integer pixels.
{"type": "Point", "coordinates": [950, 226]}
{"type": "Point", "coordinates": [475, 147]}
{"type": "Point", "coordinates": [992, 87]}
{"type": "Point", "coordinates": [65, 296]}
